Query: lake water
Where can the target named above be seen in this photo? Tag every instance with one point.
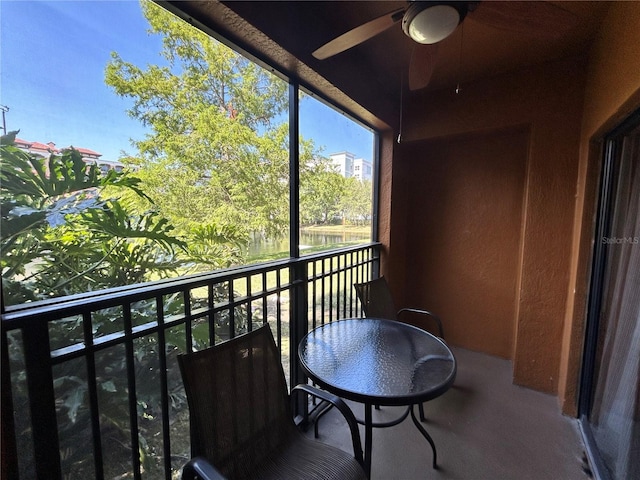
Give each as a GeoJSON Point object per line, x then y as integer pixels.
{"type": "Point", "coordinates": [260, 247]}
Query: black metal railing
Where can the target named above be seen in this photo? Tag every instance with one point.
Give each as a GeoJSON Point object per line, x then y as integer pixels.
{"type": "Point", "coordinates": [91, 385]}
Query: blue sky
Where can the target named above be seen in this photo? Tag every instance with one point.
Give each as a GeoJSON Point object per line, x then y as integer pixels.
{"type": "Point", "coordinates": [52, 60]}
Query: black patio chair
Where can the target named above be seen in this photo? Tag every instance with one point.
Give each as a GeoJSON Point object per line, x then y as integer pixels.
{"type": "Point", "coordinates": [376, 300]}
{"type": "Point", "coordinates": [241, 418]}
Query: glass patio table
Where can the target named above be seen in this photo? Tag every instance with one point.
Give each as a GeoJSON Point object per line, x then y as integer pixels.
{"type": "Point", "coordinates": [378, 362]}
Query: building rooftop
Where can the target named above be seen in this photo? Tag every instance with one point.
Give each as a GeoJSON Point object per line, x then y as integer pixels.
{"type": "Point", "coordinates": [51, 147]}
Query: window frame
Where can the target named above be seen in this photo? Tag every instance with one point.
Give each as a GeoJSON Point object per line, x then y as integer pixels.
{"type": "Point", "coordinates": [295, 89]}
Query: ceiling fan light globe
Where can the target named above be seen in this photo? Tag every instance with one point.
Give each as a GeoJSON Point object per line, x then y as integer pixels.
{"type": "Point", "coordinates": [431, 24]}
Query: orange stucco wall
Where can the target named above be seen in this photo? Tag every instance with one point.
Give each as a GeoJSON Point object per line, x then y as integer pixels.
{"type": "Point", "coordinates": [548, 121]}
{"type": "Point", "coordinates": [612, 93]}
{"type": "Point", "coordinates": [470, 216]}
{"type": "Point", "coordinates": [513, 303]}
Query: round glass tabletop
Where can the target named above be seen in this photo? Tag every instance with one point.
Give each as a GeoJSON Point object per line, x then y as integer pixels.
{"type": "Point", "coordinates": [377, 361]}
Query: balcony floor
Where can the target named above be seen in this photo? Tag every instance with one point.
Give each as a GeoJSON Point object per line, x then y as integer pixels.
{"type": "Point", "coordinates": [484, 428]}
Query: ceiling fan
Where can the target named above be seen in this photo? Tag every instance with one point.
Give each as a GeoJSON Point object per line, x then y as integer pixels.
{"type": "Point", "coordinates": [430, 22]}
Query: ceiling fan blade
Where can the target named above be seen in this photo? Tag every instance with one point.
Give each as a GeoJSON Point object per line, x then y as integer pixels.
{"type": "Point", "coordinates": [423, 62]}
{"type": "Point", "coordinates": [539, 19]}
{"type": "Point", "coordinates": [358, 35]}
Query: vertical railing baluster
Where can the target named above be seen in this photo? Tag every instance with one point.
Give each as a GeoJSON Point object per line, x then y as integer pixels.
{"type": "Point", "coordinates": [352, 270]}
{"type": "Point", "coordinates": [232, 310]}
{"type": "Point", "coordinates": [367, 272]}
{"type": "Point", "coordinates": [265, 303]}
{"type": "Point", "coordinates": [131, 384]}
{"type": "Point", "coordinates": [186, 303]}
{"type": "Point", "coordinates": [211, 314]}
{"type": "Point", "coordinates": [249, 307]}
{"type": "Point", "coordinates": [93, 394]}
{"type": "Point", "coordinates": [164, 388]}
{"type": "Point", "coordinates": [323, 278]}
{"type": "Point", "coordinates": [279, 306]}
{"type": "Point", "coordinates": [360, 274]}
{"type": "Point", "coordinates": [331, 291]}
{"type": "Point", "coordinates": [10, 469]}
{"type": "Point", "coordinates": [44, 425]}
{"type": "Point", "coordinates": [375, 256]}
{"type": "Point", "coordinates": [314, 294]}
{"type": "Point", "coordinates": [344, 286]}
{"type": "Point", "coordinates": [337, 275]}
{"type": "Point", "coordinates": [348, 282]}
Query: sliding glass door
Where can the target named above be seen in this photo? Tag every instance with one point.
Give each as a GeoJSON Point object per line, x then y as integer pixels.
{"type": "Point", "coordinates": [610, 401]}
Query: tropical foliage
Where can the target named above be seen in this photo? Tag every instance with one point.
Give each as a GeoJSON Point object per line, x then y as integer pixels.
{"type": "Point", "coordinates": [66, 228]}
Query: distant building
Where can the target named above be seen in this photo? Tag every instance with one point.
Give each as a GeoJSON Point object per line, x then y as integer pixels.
{"type": "Point", "coordinates": [343, 163]}
{"type": "Point", "coordinates": [348, 166]}
{"type": "Point", "coordinates": [362, 169]}
{"type": "Point", "coordinates": [36, 148]}
{"type": "Point", "coordinates": [90, 157]}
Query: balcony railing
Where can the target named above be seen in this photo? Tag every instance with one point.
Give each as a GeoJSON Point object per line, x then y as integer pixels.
{"type": "Point", "coordinates": [91, 385]}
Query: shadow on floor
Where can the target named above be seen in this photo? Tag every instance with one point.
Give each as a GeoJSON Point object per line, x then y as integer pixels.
{"type": "Point", "coordinates": [484, 427]}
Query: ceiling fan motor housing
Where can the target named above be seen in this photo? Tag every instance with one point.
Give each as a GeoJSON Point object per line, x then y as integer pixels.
{"type": "Point", "coordinates": [431, 22]}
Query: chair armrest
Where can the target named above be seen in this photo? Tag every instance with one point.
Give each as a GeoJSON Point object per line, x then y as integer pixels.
{"type": "Point", "coordinates": [199, 468]}
{"type": "Point", "coordinates": [435, 317]}
{"type": "Point", "coordinates": [343, 408]}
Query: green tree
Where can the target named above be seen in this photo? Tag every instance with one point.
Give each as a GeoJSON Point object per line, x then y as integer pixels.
{"type": "Point", "coordinates": [355, 203]}
{"type": "Point", "coordinates": [215, 151]}
{"type": "Point", "coordinates": [321, 191]}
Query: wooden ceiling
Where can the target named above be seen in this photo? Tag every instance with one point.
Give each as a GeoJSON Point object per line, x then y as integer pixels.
{"type": "Point", "coordinates": [366, 79]}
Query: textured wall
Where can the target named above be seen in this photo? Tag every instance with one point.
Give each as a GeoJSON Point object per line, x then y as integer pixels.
{"type": "Point", "coordinates": [612, 93]}
{"type": "Point", "coordinates": [545, 101]}
{"type": "Point", "coordinates": [566, 107]}
{"type": "Point", "coordinates": [465, 203]}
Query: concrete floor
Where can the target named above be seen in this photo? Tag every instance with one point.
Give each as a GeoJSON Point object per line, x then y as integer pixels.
{"type": "Point", "coordinates": [484, 428]}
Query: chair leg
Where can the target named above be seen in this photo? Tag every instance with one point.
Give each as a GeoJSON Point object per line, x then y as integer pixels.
{"type": "Point", "coordinates": [421, 409]}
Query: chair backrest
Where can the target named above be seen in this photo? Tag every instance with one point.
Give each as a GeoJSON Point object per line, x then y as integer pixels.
{"type": "Point", "coordinates": [376, 299]}
{"type": "Point", "coordinates": [238, 402]}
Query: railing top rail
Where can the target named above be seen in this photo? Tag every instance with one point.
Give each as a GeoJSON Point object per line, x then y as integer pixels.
{"type": "Point", "coordinates": [72, 305]}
